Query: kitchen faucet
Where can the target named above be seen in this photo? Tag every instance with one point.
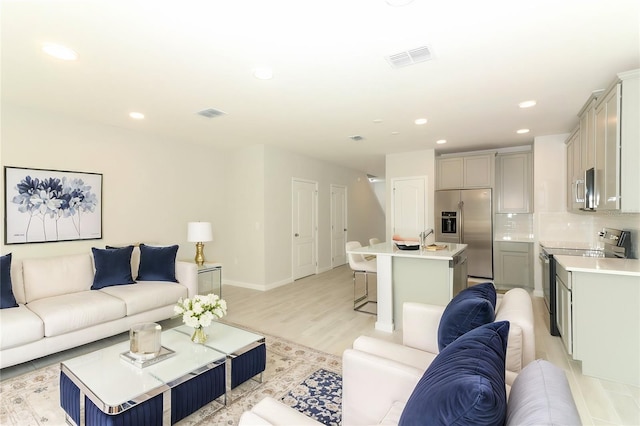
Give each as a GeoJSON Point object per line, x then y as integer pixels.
{"type": "Point", "coordinates": [423, 236]}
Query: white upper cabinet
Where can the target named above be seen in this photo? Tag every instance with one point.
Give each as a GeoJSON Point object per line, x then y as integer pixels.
{"type": "Point", "coordinates": [450, 173]}
{"type": "Point", "coordinates": [617, 145]}
{"type": "Point", "coordinates": [575, 174]}
{"type": "Point", "coordinates": [513, 183]}
{"type": "Point", "coordinates": [471, 171]}
{"type": "Point", "coordinates": [608, 140]}
{"type": "Point", "coordinates": [581, 153]}
{"type": "Point", "coordinates": [587, 130]}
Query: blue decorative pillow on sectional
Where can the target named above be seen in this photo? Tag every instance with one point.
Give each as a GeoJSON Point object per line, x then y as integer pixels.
{"type": "Point", "coordinates": [113, 267]}
{"type": "Point", "coordinates": [7, 300]}
{"type": "Point", "coordinates": [484, 290]}
{"type": "Point", "coordinates": [465, 383]}
{"type": "Point", "coordinates": [470, 308]}
{"type": "Point", "coordinates": [157, 263]}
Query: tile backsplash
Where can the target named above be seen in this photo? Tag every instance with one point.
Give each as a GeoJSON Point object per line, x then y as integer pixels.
{"type": "Point", "coordinates": [584, 227]}
{"type": "Point", "coordinates": [513, 227]}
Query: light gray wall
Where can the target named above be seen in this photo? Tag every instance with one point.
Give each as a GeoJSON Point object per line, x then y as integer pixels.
{"type": "Point", "coordinates": [365, 217]}
{"type": "Point", "coordinates": [151, 187]}
{"type": "Point", "coordinates": [243, 224]}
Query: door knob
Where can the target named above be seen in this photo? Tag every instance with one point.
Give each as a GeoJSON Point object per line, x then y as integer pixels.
{"type": "Point", "coordinates": [297, 235]}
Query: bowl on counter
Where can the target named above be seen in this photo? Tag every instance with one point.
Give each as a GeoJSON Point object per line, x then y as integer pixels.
{"type": "Point", "coordinates": [407, 245]}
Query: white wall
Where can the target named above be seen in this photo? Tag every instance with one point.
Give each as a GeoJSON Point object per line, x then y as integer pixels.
{"type": "Point", "coordinates": [151, 187]}
{"type": "Point", "coordinates": [244, 223]}
{"type": "Point", "coordinates": [365, 217]}
{"type": "Point", "coordinates": [408, 164]}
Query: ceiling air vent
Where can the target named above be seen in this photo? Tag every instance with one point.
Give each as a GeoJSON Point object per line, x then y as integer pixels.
{"type": "Point", "coordinates": [410, 57]}
{"type": "Point", "coordinates": [356, 138]}
{"type": "Point", "coordinates": [211, 113]}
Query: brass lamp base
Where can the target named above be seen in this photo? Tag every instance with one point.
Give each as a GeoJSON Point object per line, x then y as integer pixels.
{"type": "Point", "coordinates": [199, 254]}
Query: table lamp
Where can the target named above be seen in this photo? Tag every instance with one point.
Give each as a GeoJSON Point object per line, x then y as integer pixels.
{"type": "Point", "coordinates": [199, 233]}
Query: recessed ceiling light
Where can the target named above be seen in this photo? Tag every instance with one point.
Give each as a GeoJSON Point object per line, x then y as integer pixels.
{"type": "Point", "coordinates": [441, 141]}
{"type": "Point", "coordinates": [397, 3]}
{"type": "Point", "coordinates": [378, 120]}
{"type": "Point", "coordinates": [136, 115]}
{"type": "Point", "coordinates": [527, 104]}
{"type": "Point", "coordinates": [59, 51]}
{"type": "Point", "coordinates": [395, 133]}
{"type": "Point", "coordinates": [421, 121]}
{"type": "Point", "coordinates": [263, 73]}
{"type": "Point", "coordinates": [522, 131]}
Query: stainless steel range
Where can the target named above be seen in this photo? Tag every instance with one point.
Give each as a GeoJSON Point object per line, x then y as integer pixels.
{"type": "Point", "coordinates": [612, 243]}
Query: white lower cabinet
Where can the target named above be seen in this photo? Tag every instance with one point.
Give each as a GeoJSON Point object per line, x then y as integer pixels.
{"type": "Point", "coordinates": [598, 319]}
{"type": "Point", "coordinates": [564, 308]}
{"type": "Point", "coordinates": [513, 264]}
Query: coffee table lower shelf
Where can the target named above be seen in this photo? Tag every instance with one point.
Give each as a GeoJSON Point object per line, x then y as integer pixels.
{"type": "Point", "coordinates": [177, 400]}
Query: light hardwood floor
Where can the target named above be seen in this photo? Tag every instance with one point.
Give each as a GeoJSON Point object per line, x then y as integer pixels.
{"type": "Point", "coordinates": [317, 311]}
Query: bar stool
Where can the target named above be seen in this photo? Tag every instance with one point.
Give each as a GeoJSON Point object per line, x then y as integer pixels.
{"type": "Point", "coordinates": [360, 265]}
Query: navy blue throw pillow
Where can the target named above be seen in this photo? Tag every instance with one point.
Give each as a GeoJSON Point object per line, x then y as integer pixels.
{"type": "Point", "coordinates": [465, 383]}
{"type": "Point", "coordinates": [113, 267]}
{"type": "Point", "coordinates": [484, 290]}
{"type": "Point", "coordinates": [157, 263]}
{"type": "Point", "coordinates": [7, 300]}
{"type": "Point", "coordinates": [470, 308]}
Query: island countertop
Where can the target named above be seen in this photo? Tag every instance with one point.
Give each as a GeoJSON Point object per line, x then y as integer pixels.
{"type": "Point", "coordinates": [389, 248]}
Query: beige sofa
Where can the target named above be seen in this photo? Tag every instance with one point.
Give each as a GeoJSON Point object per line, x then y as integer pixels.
{"type": "Point", "coordinates": [57, 309]}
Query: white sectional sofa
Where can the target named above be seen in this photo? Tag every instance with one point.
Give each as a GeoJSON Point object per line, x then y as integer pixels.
{"type": "Point", "coordinates": [58, 310]}
{"type": "Point", "coordinates": [540, 396]}
{"type": "Point", "coordinates": [381, 379]}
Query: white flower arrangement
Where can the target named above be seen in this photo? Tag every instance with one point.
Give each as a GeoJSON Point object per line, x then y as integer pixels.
{"type": "Point", "coordinates": [201, 310]}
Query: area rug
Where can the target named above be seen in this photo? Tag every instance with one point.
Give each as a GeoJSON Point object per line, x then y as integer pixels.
{"type": "Point", "coordinates": [304, 378]}
{"type": "Point", "coordinates": [319, 397]}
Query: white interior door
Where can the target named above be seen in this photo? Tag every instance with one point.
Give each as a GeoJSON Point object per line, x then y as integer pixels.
{"type": "Point", "coordinates": [409, 206]}
{"type": "Point", "coordinates": [338, 225]}
{"type": "Point", "coordinates": [304, 227]}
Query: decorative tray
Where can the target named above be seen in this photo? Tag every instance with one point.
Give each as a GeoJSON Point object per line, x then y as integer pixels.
{"type": "Point", "coordinates": [408, 246]}
{"type": "Point", "coordinates": [141, 363]}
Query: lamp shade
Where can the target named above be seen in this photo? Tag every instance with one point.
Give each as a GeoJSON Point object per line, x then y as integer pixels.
{"type": "Point", "coordinates": [199, 232]}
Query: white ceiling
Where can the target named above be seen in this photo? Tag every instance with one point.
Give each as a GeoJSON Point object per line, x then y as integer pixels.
{"type": "Point", "coordinates": [170, 59]}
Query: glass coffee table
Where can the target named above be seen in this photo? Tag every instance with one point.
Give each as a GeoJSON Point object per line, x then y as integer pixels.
{"type": "Point", "coordinates": [245, 352]}
{"type": "Point", "coordinates": [98, 387]}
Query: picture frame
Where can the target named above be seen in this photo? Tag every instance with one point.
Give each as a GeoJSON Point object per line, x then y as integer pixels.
{"type": "Point", "coordinates": [43, 206]}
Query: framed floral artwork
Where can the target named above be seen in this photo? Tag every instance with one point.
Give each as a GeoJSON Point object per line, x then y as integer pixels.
{"type": "Point", "coordinates": [51, 205]}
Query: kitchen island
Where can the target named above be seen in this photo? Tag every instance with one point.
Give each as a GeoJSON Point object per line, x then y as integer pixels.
{"type": "Point", "coordinates": [425, 276]}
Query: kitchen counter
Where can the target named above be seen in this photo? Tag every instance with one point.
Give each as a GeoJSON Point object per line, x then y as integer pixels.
{"type": "Point", "coordinates": [600, 265]}
{"type": "Point", "coordinates": [598, 316]}
{"type": "Point", "coordinates": [422, 276]}
{"type": "Point", "coordinates": [388, 248]}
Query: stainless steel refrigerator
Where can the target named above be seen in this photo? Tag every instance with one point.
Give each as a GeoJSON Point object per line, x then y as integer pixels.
{"type": "Point", "coordinates": [465, 216]}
